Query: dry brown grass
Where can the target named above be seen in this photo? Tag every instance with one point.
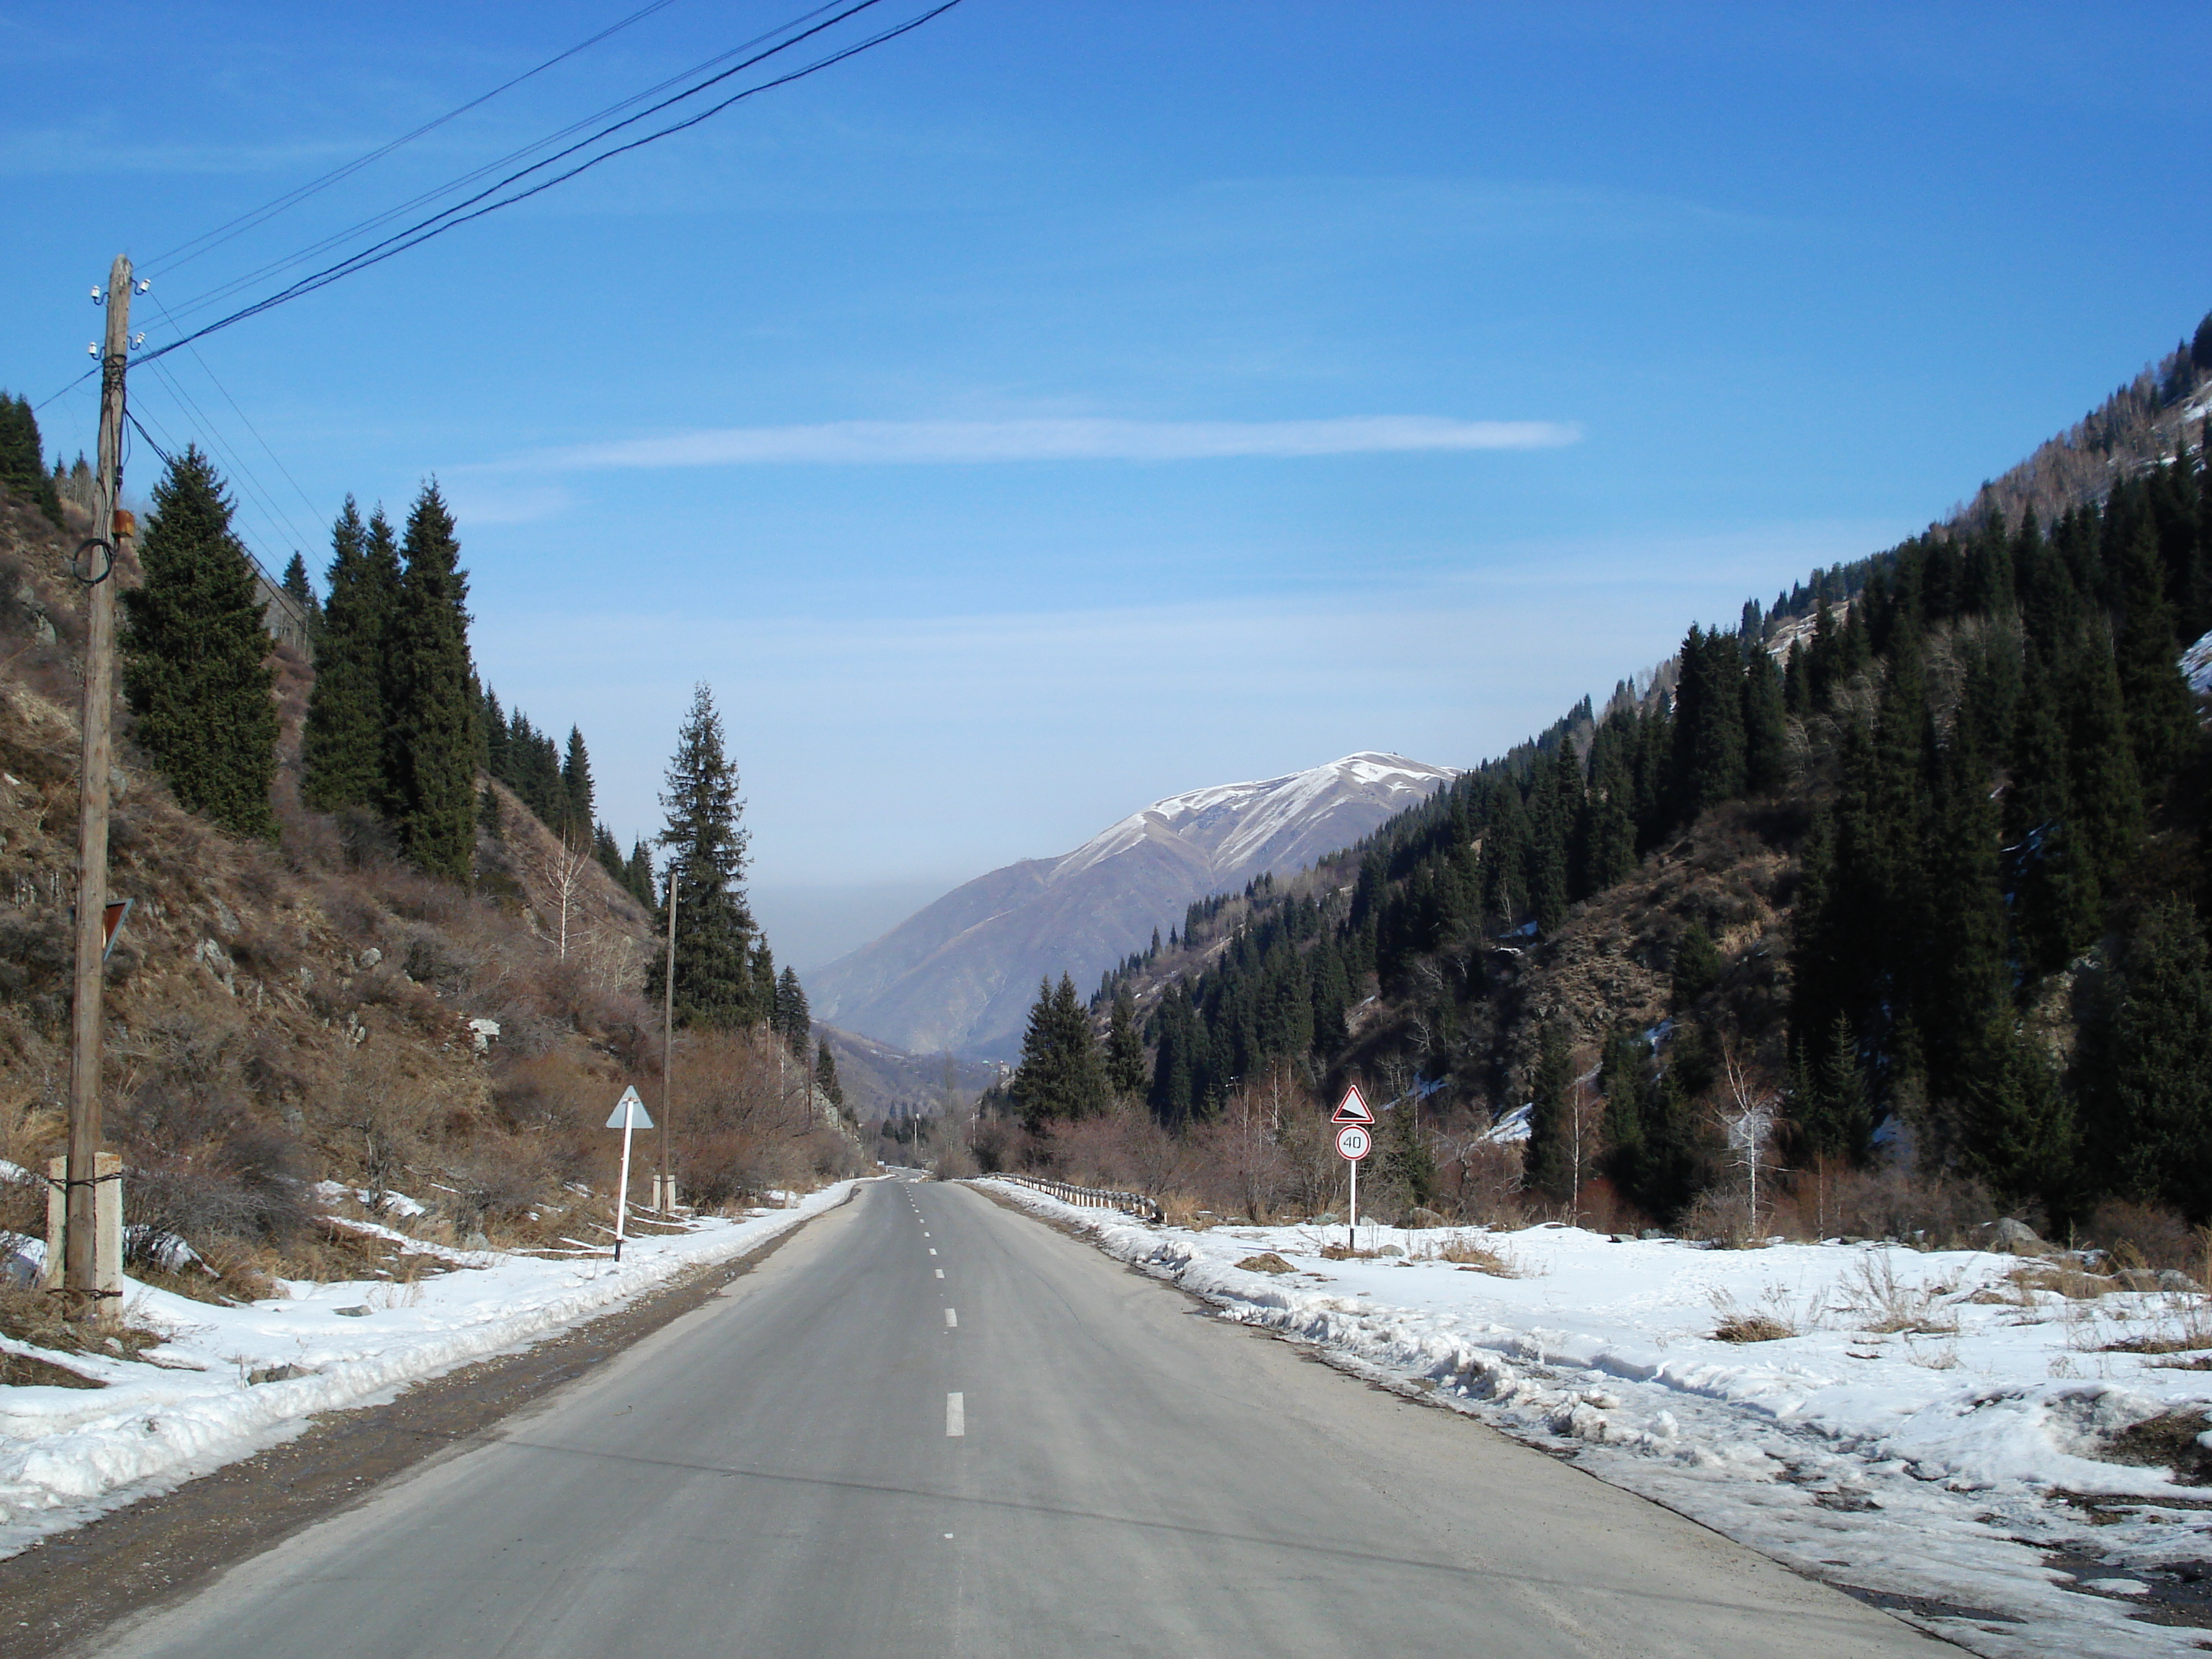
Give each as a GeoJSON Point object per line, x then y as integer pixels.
{"type": "Point", "coordinates": [35, 1317]}
{"type": "Point", "coordinates": [1752, 1327]}
{"type": "Point", "coordinates": [2068, 1278]}
{"type": "Point", "coordinates": [24, 1370]}
{"type": "Point", "coordinates": [1474, 1257]}
{"type": "Point", "coordinates": [1265, 1262]}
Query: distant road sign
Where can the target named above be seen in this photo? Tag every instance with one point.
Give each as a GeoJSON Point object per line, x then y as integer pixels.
{"type": "Point", "coordinates": [1353, 1109]}
{"type": "Point", "coordinates": [629, 1113]}
{"type": "Point", "coordinates": [1353, 1143]}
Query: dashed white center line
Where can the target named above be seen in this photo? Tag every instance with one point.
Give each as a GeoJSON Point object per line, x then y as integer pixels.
{"type": "Point", "coordinates": [940, 1271]}
{"type": "Point", "coordinates": [951, 1320]}
{"type": "Point", "coordinates": [932, 1252]}
{"type": "Point", "coordinates": [956, 1416]}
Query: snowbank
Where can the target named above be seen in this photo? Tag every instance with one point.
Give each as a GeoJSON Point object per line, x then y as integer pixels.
{"type": "Point", "coordinates": [1935, 1430]}
{"type": "Point", "coordinates": [67, 1455]}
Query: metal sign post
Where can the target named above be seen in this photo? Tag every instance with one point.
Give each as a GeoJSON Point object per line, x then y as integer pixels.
{"type": "Point", "coordinates": [1353, 1143]}
{"type": "Point", "coordinates": [629, 1114]}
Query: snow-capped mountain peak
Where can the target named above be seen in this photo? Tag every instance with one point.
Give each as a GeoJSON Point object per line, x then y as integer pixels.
{"type": "Point", "coordinates": [960, 974]}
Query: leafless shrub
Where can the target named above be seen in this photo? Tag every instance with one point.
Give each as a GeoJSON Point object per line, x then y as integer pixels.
{"type": "Point", "coordinates": [1723, 1219]}
{"type": "Point", "coordinates": [1931, 1211]}
{"type": "Point", "coordinates": [1876, 1299]}
{"type": "Point", "coordinates": [2147, 1235]}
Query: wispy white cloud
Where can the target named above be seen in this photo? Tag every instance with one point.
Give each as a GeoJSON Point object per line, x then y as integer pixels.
{"type": "Point", "coordinates": [1063, 439]}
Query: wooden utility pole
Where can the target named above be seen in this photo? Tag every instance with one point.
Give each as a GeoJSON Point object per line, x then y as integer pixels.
{"type": "Point", "coordinates": [83, 1291]}
{"type": "Point", "coordinates": [668, 1047]}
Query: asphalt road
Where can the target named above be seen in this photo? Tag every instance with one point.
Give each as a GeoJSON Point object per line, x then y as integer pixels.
{"type": "Point", "coordinates": [929, 1426]}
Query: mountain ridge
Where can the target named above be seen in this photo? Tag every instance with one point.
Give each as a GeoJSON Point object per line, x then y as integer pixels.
{"type": "Point", "coordinates": [959, 976]}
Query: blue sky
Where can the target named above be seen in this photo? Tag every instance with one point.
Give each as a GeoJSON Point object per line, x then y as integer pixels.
{"type": "Point", "coordinates": [1071, 403]}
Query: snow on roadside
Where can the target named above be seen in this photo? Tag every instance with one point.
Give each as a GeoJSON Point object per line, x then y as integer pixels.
{"type": "Point", "coordinates": [1948, 1460]}
{"type": "Point", "coordinates": [67, 1455]}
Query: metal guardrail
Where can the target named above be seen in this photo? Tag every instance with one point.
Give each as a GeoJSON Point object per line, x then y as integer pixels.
{"type": "Point", "coordinates": [1089, 1198]}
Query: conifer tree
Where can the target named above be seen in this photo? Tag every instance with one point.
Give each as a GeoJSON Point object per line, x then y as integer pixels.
{"type": "Point", "coordinates": [1610, 843]}
{"type": "Point", "coordinates": [825, 1076]}
{"type": "Point", "coordinates": [1766, 726]}
{"type": "Point", "coordinates": [608, 855]}
{"type": "Point", "coordinates": [195, 656]}
{"type": "Point", "coordinates": [302, 592]}
{"type": "Point", "coordinates": [492, 719]}
{"type": "Point", "coordinates": [1624, 1074]}
{"type": "Point", "coordinates": [1697, 966]}
{"type": "Point", "coordinates": [791, 1016]}
{"type": "Point", "coordinates": [1124, 1046]}
{"type": "Point", "coordinates": [1547, 1157]}
{"type": "Point", "coordinates": [431, 747]}
{"type": "Point", "coordinates": [1062, 1076]}
{"type": "Point", "coordinates": [1406, 1163]}
{"type": "Point", "coordinates": [762, 981]}
{"type": "Point", "coordinates": [2104, 786]}
{"type": "Point", "coordinates": [2159, 718]}
{"type": "Point", "coordinates": [576, 790]}
{"type": "Point", "coordinates": [2151, 1069]}
{"type": "Point", "coordinates": [1708, 761]}
{"type": "Point", "coordinates": [342, 745]}
{"type": "Point", "coordinates": [706, 849]}
{"type": "Point", "coordinates": [23, 458]}
{"type": "Point", "coordinates": [637, 876]}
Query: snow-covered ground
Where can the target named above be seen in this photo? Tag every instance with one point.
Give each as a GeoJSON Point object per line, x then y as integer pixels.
{"type": "Point", "coordinates": [1936, 1430]}
{"type": "Point", "coordinates": [67, 1455]}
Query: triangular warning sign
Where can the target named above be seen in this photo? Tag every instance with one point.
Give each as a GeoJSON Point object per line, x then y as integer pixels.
{"type": "Point", "coordinates": [629, 1113]}
{"type": "Point", "coordinates": [1353, 1109]}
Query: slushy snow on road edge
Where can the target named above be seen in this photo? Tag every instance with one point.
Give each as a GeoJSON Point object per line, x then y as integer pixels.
{"type": "Point", "coordinates": [69, 1455]}
{"type": "Point", "coordinates": [1945, 1465]}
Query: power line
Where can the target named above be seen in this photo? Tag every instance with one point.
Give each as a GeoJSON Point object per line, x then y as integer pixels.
{"type": "Point", "coordinates": [453, 217]}
{"type": "Point", "coordinates": [277, 518]}
{"type": "Point", "coordinates": [240, 413]}
{"type": "Point", "coordinates": [186, 252]}
{"type": "Point", "coordinates": [200, 302]}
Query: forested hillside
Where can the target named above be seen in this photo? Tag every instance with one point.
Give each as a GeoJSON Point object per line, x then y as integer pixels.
{"type": "Point", "coordinates": [1902, 881]}
{"type": "Point", "coordinates": [379, 936]}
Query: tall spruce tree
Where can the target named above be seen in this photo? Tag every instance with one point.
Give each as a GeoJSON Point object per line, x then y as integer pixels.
{"type": "Point", "coordinates": [825, 1076]}
{"type": "Point", "coordinates": [302, 592]}
{"type": "Point", "coordinates": [430, 753]}
{"type": "Point", "coordinates": [23, 458]}
{"type": "Point", "coordinates": [637, 875]}
{"type": "Point", "coordinates": [763, 978]}
{"type": "Point", "coordinates": [2148, 1066]}
{"type": "Point", "coordinates": [342, 745]}
{"type": "Point", "coordinates": [1062, 1076]}
{"type": "Point", "coordinates": [706, 849]}
{"type": "Point", "coordinates": [195, 655]}
{"type": "Point", "coordinates": [1548, 1157]}
{"type": "Point", "coordinates": [1708, 761]}
{"type": "Point", "coordinates": [1124, 1046]}
{"type": "Point", "coordinates": [792, 1018]}
{"type": "Point", "coordinates": [576, 791]}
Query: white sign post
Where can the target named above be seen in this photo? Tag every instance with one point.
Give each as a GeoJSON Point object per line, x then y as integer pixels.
{"type": "Point", "coordinates": [1353, 1142]}
{"type": "Point", "coordinates": [628, 1115]}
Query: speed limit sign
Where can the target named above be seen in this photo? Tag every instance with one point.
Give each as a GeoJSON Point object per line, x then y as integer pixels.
{"type": "Point", "coordinates": [1353, 1142]}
